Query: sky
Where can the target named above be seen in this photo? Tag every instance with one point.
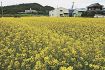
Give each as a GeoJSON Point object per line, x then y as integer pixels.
{"type": "Point", "coordinates": [55, 3]}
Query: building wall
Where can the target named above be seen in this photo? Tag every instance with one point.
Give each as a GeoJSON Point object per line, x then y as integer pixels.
{"type": "Point", "coordinates": [59, 12]}
{"type": "Point", "coordinates": [30, 11]}
{"type": "Point", "coordinates": [99, 16]}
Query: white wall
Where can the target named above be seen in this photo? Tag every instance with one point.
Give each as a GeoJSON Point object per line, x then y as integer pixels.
{"type": "Point", "coordinates": [56, 12]}
{"type": "Point", "coordinates": [30, 11]}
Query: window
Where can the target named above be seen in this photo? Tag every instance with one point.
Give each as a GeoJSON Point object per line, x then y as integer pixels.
{"type": "Point", "coordinates": [61, 10]}
{"type": "Point", "coordinates": [66, 13]}
{"type": "Point", "coordinates": [61, 15]}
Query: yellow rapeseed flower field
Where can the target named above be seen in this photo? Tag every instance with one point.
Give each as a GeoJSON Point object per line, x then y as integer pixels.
{"type": "Point", "coordinates": [43, 43]}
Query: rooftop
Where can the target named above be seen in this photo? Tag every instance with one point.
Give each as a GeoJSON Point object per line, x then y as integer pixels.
{"type": "Point", "coordinates": [95, 5]}
{"type": "Point", "coordinates": [81, 9]}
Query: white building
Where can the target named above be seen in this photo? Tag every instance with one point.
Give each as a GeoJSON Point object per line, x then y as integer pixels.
{"type": "Point", "coordinates": [30, 11]}
{"type": "Point", "coordinates": [59, 12]}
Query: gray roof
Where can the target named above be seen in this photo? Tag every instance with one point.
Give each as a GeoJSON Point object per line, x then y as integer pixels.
{"type": "Point", "coordinates": [81, 9]}
{"type": "Point", "coordinates": [95, 5]}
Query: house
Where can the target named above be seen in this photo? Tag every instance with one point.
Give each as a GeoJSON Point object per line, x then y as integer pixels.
{"type": "Point", "coordinates": [78, 12]}
{"type": "Point", "coordinates": [59, 12]}
{"type": "Point", "coordinates": [98, 10]}
{"type": "Point", "coordinates": [30, 11]}
{"type": "Point", "coordinates": [95, 7]}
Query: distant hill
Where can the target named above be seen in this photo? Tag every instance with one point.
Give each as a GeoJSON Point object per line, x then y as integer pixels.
{"type": "Point", "coordinates": [14, 9]}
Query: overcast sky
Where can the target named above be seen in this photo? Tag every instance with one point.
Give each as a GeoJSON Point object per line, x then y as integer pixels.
{"type": "Point", "coordinates": [55, 3]}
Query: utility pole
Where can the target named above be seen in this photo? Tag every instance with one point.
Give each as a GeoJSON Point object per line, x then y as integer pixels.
{"type": "Point", "coordinates": [1, 9]}
{"type": "Point", "coordinates": [57, 3]}
{"type": "Point", "coordinates": [72, 5]}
